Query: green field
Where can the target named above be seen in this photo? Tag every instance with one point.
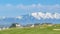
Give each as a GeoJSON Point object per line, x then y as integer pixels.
{"type": "Point", "coordinates": [37, 30]}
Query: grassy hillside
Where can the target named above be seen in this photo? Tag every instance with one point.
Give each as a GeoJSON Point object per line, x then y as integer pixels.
{"type": "Point", "coordinates": [37, 30]}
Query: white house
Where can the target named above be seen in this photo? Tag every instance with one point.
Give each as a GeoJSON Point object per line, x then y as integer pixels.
{"type": "Point", "coordinates": [18, 25]}
{"type": "Point", "coordinates": [32, 25]}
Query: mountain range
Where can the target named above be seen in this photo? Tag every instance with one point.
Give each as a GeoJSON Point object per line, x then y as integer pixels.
{"type": "Point", "coordinates": [28, 19]}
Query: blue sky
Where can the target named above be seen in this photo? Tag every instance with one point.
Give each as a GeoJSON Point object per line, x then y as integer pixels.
{"type": "Point", "coordinates": [22, 7]}
{"type": "Point", "coordinates": [27, 2]}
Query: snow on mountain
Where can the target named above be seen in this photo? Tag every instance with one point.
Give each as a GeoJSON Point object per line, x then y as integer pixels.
{"type": "Point", "coordinates": [39, 15]}
{"type": "Point", "coordinates": [36, 17]}
{"type": "Point", "coordinates": [19, 17]}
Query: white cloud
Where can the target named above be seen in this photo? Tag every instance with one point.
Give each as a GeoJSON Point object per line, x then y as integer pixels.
{"type": "Point", "coordinates": [8, 5]}
{"type": "Point", "coordinates": [32, 7]}
{"type": "Point", "coordinates": [21, 6]}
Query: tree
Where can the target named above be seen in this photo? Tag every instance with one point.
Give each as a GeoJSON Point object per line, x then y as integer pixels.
{"type": "Point", "coordinates": [37, 24]}
{"type": "Point", "coordinates": [13, 25]}
{"type": "Point", "coordinates": [46, 23]}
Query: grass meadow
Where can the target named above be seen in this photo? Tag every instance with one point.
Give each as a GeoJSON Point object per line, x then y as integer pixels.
{"type": "Point", "coordinates": [34, 30]}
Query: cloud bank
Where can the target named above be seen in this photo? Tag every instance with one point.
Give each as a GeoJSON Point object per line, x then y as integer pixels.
{"type": "Point", "coordinates": [23, 9]}
{"type": "Point", "coordinates": [31, 8]}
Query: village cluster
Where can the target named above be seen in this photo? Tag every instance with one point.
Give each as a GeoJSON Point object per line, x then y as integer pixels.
{"type": "Point", "coordinates": [16, 25]}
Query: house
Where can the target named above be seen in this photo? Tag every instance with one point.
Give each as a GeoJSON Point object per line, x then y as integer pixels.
{"type": "Point", "coordinates": [15, 25]}
{"type": "Point", "coordinates": [32, 25]}
{"type": "Point", "coordinates": [18, 25]}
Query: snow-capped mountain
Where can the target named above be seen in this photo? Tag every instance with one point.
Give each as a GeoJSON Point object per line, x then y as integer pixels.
{"type": "Point", "coordinates": [32, 18]}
